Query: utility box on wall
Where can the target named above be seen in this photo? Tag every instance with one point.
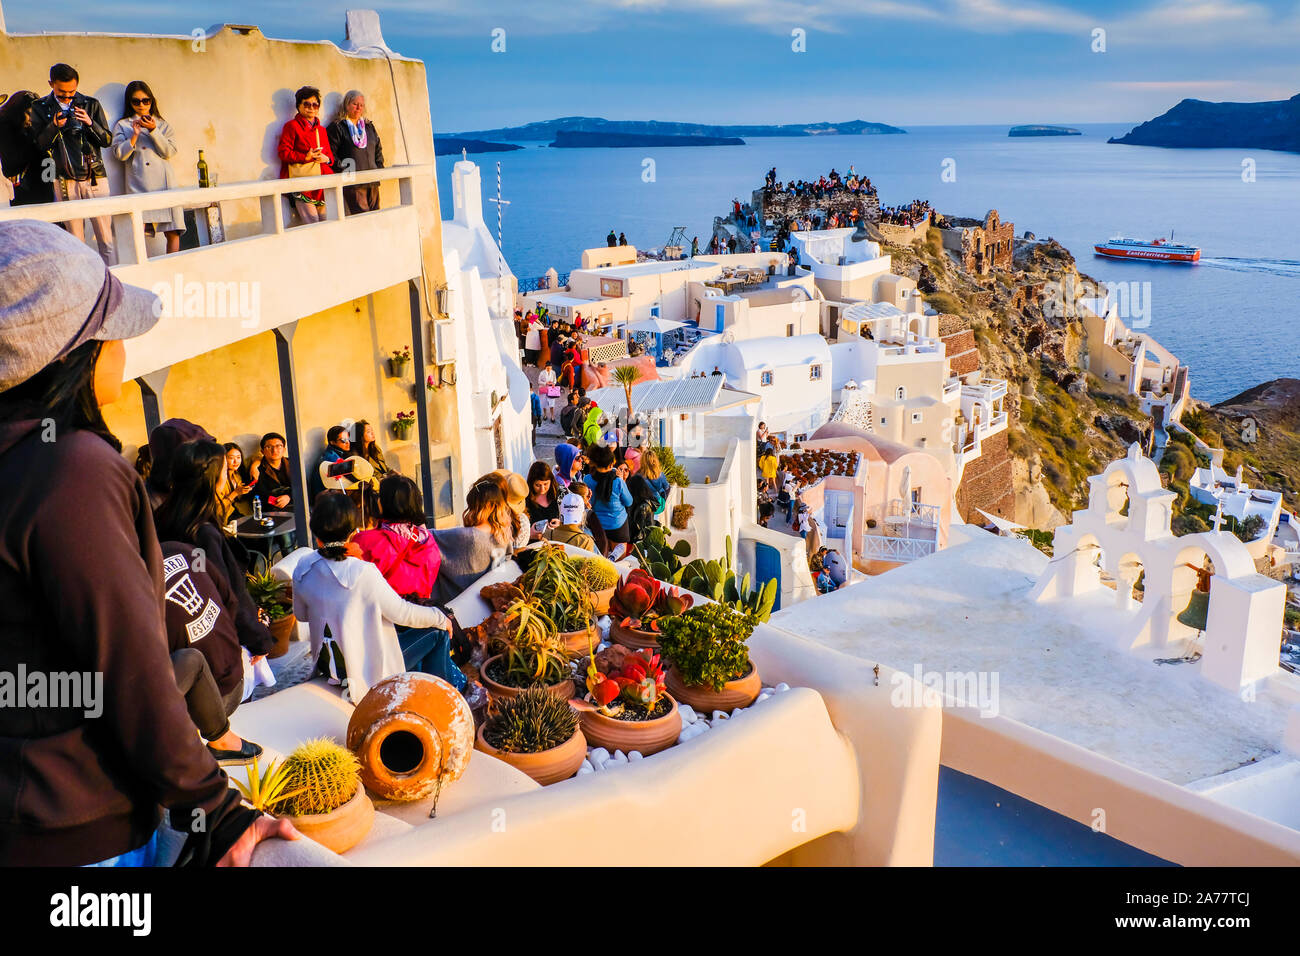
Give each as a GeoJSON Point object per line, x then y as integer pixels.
{"type": "Point", "coordinates": [444, 343]}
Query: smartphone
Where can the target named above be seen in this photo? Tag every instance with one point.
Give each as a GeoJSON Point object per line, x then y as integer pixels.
{"type": "Point", "coordinates": [541, 526]}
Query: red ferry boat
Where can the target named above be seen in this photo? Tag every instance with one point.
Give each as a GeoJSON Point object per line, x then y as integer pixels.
{"type": "Point", "coordinates": [1159, 250]}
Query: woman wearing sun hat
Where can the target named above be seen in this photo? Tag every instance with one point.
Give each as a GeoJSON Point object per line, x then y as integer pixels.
{"type": "Point", "coordinates": [86, 784]}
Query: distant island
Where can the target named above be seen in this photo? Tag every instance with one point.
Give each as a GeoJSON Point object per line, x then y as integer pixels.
{"type": "Point", "coordinates": [548, 130]}
{"type": "Point", "coordinates": [1194, 124]}
{"type": "Point", "coordinates": [571, 139]}
{"type": "Point", "coordinates": [451, 145]}
{"type": "Point", "coordinates": [1044, 131]}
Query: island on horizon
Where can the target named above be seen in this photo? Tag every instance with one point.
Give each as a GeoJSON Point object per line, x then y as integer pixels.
{"type": "Point", "coordinates": [1044, 131]}
{"type": "Point", "coordinates": [451, 145]}
{"type": "Point", "coordinates": [572, 139]}
{"type": "Point", "coordinates": [548, 130]}
{"type": "Point", "coordinates": [1198, 124]}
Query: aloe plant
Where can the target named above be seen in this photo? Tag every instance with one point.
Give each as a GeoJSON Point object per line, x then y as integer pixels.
{"type": "Point", "coordinates": [534, 652]}
{"type": "Point", "coordinates": [265, 790]}
{"type": "Point", "coordinates": [555, 584]}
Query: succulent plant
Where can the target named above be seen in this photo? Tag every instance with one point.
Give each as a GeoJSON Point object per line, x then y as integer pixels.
{"type": "Point", "coordinates": [706, 645]}
{"type": "Point", "coordinates": [553, 582]}
{"type": "Point", "coordinates": [599, 573]}
{"type": "Point", "coordinates": [265, 789]}
{"type": "Point", "coordinates": [534, 651]}
{"type": "Point", "coordinates": [717, 580]}
{"type": "Point", "coordinates": [324, 775]}
{"type": "Point", "coordinates": [530, 723]}
{"type": "Point", "coordinates": [661, 560]}
{"type": "Point", "coordinates": [635, 597]}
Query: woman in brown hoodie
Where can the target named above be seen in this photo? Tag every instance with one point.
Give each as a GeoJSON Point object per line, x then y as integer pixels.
{"type": "Point", "coordinates": [84, 777]}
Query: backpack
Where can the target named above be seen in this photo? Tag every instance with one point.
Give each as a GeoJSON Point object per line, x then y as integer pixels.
{"type": "Point", "coordinates": [641, 519]}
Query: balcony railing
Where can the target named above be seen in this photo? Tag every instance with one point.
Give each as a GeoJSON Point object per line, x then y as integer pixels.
{"type": "Point", "coordinates": [540, 284]}
{"type": "Point", "coordinates": [265, 274]}
{"type": "Point", "coordinates": [876, 547]}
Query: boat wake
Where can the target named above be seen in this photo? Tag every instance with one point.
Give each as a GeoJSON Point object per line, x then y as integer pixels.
{"type": "Point", "coordinates": [1276, 267]}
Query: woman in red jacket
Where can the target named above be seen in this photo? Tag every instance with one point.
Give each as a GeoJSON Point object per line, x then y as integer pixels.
{"type": "Point", "coordinates": [303, 140]}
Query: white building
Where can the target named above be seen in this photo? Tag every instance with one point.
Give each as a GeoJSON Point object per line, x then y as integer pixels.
{"type": "Point", "coordinates": [496, 430]}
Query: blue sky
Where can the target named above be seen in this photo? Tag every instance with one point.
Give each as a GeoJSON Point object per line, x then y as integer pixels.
{"type": "Point", "coordinates": [906, 62]}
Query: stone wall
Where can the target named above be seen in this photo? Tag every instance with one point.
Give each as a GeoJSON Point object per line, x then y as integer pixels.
{"type": "Point", "coordinates": [778, 207]}
{"type": "Point", "coordinates": [986, 483]}
{"type": "Point", "coordinates": [981, 246]}
{"type": "Point", "coordinates": [902, 235]}
{"type": "Point", "coordinates": [963, 355]}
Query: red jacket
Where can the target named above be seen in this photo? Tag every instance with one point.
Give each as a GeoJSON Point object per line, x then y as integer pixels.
{"type": "Point", "coordinates": [406, 555]}
{"type": "Point", "coordinates": [296, 140]}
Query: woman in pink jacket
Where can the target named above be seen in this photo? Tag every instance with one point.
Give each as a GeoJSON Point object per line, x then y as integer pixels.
{"type": "Point", "coordinates": [305, 140]}
{"type": "Point", "coordinates": [402, 547]}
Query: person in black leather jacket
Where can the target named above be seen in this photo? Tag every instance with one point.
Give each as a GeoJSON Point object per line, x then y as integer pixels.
{"type": "Point", "coordinates": [70, 128]}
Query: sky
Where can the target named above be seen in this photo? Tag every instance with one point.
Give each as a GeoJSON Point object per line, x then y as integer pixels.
{"type": "Point", "coordinates": [903, 62]}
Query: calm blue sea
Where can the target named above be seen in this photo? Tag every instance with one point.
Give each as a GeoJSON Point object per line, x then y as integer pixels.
{"type": "Point", "coordinates": [1231, 317]}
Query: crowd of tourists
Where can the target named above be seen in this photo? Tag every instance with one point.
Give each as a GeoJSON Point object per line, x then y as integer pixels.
{"type": "Point", "coordinates": [825, 185]}
{"type": "Point", "coordinates": [914, 213]}
{"type": "Point", "coordinates": [66, 132]}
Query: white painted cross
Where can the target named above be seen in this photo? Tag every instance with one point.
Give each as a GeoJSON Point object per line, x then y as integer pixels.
{"type": "Point", "coordinates": [501, 256]}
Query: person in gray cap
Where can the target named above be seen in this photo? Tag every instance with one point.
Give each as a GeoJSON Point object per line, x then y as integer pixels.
{"type": "Point", "coordinates": [85, 774]}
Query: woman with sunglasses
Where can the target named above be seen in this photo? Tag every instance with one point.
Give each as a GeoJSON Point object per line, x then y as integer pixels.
{"type": "Point", "coordinates": [304, 142]}
{"type": "Point", "coordinates": [144, 142]}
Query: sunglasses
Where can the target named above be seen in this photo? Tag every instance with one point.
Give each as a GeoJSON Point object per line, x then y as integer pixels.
{"type": "Point", "coordinates": [311, 104]}
{"type": "Point", "coordinates": [140, 101]}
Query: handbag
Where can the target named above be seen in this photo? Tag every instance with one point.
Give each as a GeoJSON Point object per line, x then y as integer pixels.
{"type": "Point", "coordinates": [297, 170]}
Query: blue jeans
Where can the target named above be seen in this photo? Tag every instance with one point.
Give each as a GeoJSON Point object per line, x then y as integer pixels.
{"type": "Point", "coordinates": [146, 855]}
{"type": "Point", "coordinates": [427, 650]}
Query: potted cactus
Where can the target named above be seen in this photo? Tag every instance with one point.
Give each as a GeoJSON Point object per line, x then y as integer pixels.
{"type": "Point", "coordinates": [711, 669]}
{"type": "Point", "coordinates": [326, 800]}
{"type": "Point", "coordinates": [662, 560]}
{"type": "Point", "coordinates": [535, 733]}
{"type": "Point", "coordinates": [554, 584]}
{"type": "Point", "coordinates": [627, 706]}
{"type": "Point", "coordinates": [640, 602]}
{"type": "Point", "coordinates": [601, 577]}
{"type": "Point", "coordinates": [717, 581]}
{"type": "Point", "coordinates": [275, 596]}
{"type": "Point", "coordinates": [528, 653]}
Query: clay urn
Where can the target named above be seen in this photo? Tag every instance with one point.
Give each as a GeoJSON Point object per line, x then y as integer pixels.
{"type": "Point", "coordinates": [412, 733]}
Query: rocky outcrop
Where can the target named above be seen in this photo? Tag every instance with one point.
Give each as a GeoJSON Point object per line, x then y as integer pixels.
{"type": "Point", "coordinates": [1196, 124]}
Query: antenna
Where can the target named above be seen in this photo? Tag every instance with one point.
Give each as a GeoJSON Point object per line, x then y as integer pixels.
{"type": "Point", "coordinates": [501, 256]}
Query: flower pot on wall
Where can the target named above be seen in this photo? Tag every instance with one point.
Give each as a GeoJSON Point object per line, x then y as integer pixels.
{"type": "Point", "coordinates": [646, 736]}
{"type": "Point", "coordinates": [342, 829]}
{"type": "Point", "coordinates": [633, 637]}
{"type": "Point", "coordinates": [740, 692]}
{"type": "Point", "coordinates": [398, 366]}
{"type": "Point", "coordinates": [283, 630]}
{"type": "Point", "coordinates": [563, 690]}
{"type": "Point", "coordinates": [402, 428]}
{"type": "Point", "coordinates": [548, 766]}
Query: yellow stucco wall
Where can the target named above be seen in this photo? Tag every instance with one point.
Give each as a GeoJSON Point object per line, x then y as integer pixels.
{"type": "Point", "coordinates": [230, 94]}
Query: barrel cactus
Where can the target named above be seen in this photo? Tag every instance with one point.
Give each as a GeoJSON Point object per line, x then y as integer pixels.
{"type": "Point", "coordinates": [326, 775]}
{"type": "Point", "coordinates": [598, 572]}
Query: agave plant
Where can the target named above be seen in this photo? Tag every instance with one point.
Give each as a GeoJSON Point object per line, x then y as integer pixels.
{"type": "Point", "coordinates": [556, 585]}
{"type": "Point", "coordinates": [534, 652]}
{"type": "Point", "coordinates": [265, 790]}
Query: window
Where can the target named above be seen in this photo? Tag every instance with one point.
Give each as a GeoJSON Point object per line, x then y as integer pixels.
{"type": "Point", "coordinates": [814, 373]}
{"type": "Point", "coordinates": [882, 420]}
{"type": "Point", "coordinates": [765, 378]}
{"type": "Point", "coordinates": [802, 436]}
{"type": "Point", "coordinates": [789, 331]}
{"type": "Point", "coordinates": [916, 418]}
{"type": "Point", "coordinates": [900, 393]}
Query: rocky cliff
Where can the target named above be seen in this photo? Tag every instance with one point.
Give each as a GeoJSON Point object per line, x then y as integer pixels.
{"type": "Point", "coordinates": [1198, 124]}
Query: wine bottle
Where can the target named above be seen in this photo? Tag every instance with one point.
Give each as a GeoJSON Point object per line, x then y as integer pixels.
{"type": "Point", "coordinates": [204, 183]}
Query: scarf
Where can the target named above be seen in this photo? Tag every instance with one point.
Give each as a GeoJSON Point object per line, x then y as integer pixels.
{"type": "Point", "coordinates": [358, 133]}
{"type": "Point", "coordinates": [416, 534]}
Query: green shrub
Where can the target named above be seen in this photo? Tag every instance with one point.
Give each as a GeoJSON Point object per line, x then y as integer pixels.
{"type": "Point", "coordinates": [706, 645]}
{"type": "Point", "coordinates": [946, 302]}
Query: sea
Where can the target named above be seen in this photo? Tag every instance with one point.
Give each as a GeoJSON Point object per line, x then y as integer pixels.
{"type": "Point", "coordinates": [1231, 317]}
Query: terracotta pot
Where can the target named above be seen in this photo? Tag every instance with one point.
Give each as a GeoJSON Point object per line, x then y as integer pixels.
{"type": "Point", "coordinates": [647, 736]}
{"type": "Point", "coordinates": [563, 690]}
{"type": "Point", "coordinates": [633, 637]}
{"type": "Point", "coordinates": [409, 732]}
{"type": "Point", "coordinates": [283, 629]}
{"type": "Point", "coordinates": [602, 599]}
{"type": "Point", "coordinates": [342, 829]}
{"type": "Point", "coordinates": [740, 692]}
{"type": "Point", "coordinates": [549, 766]}
{"type": "Point", "coordinates": [580, 642]}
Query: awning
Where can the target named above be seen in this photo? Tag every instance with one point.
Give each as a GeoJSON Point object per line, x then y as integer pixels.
{"type": "Point", "coordinates": [655, 325]}
{"type": "Point", "coordinates": [1002, 524]}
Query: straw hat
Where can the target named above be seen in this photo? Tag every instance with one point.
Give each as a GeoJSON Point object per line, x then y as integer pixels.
{"type": "Point", "coordinates": [516, 489]}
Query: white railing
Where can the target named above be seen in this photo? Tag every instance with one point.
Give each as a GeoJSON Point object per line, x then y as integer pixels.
{"type": "Point", "coordinates": [126, 211]}
{"type": "Point", "coordinates": [877, 547]}
{"type": "Point", "coordinates": [997, 387]}
{"type": "Point", "coordinates": [951, 388]}
{"type": "Point", "coordinates": [913, 511]}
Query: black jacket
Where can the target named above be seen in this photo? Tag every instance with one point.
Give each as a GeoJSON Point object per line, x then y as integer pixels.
{"type": "Point", "coordinates": [74, 148]}
{"type": "Point", "coordinates": [81, 592]}
{"type": "Point", "coordinates": [340, 137]}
